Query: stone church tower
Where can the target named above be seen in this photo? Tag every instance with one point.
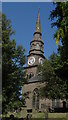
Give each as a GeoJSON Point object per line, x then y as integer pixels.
{"type": "Point", "coordinates": [35, 56]}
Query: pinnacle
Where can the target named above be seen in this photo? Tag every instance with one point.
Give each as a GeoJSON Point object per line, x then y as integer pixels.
{"type": "Point", "coordinates": [38, 26]}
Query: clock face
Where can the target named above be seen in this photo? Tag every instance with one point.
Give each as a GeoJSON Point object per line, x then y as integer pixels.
{"type": "Point", "coordinates": [31, 60]}
{"type": "Point", "coordinates": [40, 60]}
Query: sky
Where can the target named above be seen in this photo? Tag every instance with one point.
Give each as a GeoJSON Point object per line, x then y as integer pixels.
{"type": "Point", "coordinates": [23, 16]}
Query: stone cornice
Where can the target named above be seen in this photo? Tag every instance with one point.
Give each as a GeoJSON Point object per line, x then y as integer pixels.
{"type": "Point", "coordinates": [37, 41]}
{"type": "Point", "coordinates": [35, 50]}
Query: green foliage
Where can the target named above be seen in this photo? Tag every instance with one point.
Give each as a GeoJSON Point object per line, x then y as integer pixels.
{"type": "Point", "coordinates": [61, 13]}
{"type": "Point", "coordinates": [13, 59]}
{"type": "Point", "coordinates": [55, 87]}
{"type": "Point", "coordinates": [61, 22]}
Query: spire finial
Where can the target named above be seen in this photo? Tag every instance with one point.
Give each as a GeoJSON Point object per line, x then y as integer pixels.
{"type": "Point", "coordinates": [38, 26]}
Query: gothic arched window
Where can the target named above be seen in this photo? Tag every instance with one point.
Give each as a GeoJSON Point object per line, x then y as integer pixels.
{"type": "Point", "coordinates": [36, 99]}
{"type": "Point", "coordinates": [37, 102]}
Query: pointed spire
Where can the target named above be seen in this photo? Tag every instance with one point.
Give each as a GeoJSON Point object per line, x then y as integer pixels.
{"type": "Point", "coordinates": [38, 26]}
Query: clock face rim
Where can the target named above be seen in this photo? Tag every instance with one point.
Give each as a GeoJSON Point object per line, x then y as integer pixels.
{"type": "Point", "coordinates": [33, 60]}
{"type": "Point", "coordinates": [40, 59]}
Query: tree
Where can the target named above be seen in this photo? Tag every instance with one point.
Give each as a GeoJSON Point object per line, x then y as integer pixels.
{"type": "Point", "coordinates": [13, 59]}
{"type": "Point", "coordinates": [61, 13]}
{"type": "Point", "coordinates": [55, 87]}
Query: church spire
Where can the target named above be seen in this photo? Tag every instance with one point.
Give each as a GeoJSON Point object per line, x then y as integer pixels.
{"type": "Point", "coordinates": [38, 26]}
